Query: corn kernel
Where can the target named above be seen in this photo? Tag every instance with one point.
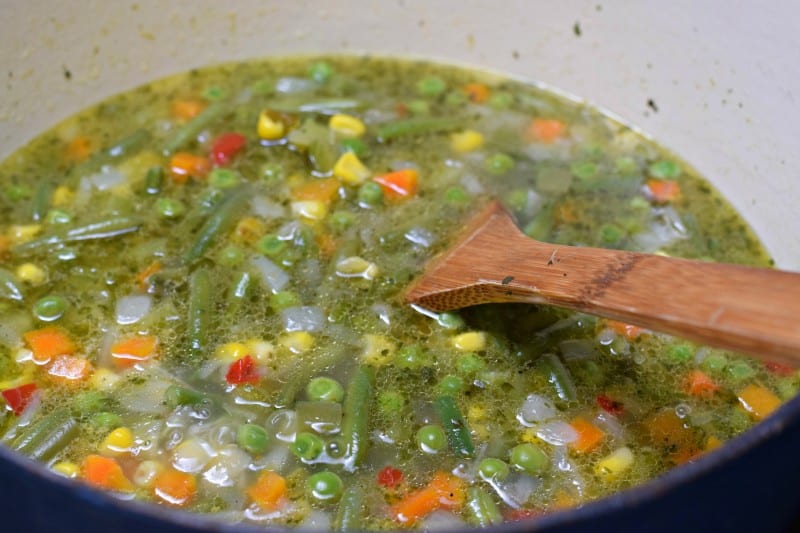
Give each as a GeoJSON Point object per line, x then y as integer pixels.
{"type": "Point", "coordinates": [378, 350]}
{"type": "Point", "coordinates": [231, 351]}
{"type": "Point", "coordinates": [104, 379]}
{"type": "Point", "coordinates": [529, 435]}
{"type": "Point", "coordinates": [471, 341]}
{"type": "Point", "coordinates": [712, 443]}
{"type": "Point", "coordinates": [23, 232]}
{"type": "Point", "coordinates": [67, 469]}
{"type": "Point", "coordinates": [297, 341]}
{"type": "Point", "coordinates": [136, 167]}
{"type": "Point", "coordinates": [347, 126]}
{"type": "Point", "coordinates": [356, 267]}
{"type": "Point", "coordinates": [310, 209]}
{"type": "Point", "coordinates": [615, 463]}
{"type": "Point", "coordinates": [30, 273]}
{"type": "Point", "coordinates": [350, 170]}
{"type": "Point", "coordinates": [117, 442]}
{"type": "Point", "coordinates": [261, 350]}
{"type": "Point", "coordinates": [248, 230]}
{"type": "Point", "coordinates": [62, 196]}
{"type": "Point", "coordinates": [466, 141]}
{"type": "Point", "coordinates": [269, 128]}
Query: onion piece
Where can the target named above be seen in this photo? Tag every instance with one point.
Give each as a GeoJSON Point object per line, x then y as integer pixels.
{"type": "Point", "coordinates": [271, 274]}
{"type": "Point", "coordinates": [557, 433]}
{"type": "Point", "coordinates": [421, 236]}
{"type": "Point", "coordinates": [303, 318]}
{"type": "Point", "coordinates": [316, 520]}
{"type": "Point", "coordinates": [290, 85]}
{"type": "Point", "coordinates": [535, 409]}
{"type": "Point", "coordinates": [442, 521]}
{"type": "Point", "coordinates": [576, 349]}
{"type": "Point", "coordinates": [131, 309]}
{"type": "Point", "coordinates": [264, 207]}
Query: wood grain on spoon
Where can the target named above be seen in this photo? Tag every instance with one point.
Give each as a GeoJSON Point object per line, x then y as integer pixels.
{"type": "Point", "coordinates": [753, 310]}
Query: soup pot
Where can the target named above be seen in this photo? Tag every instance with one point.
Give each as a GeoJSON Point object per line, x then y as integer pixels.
{"type": "Point", "coordinates": [715, 81]}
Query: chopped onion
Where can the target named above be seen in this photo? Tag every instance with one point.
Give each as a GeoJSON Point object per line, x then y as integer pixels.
{"type": "Point", "coordinates": [225, 469]}
{"type": "Point", "coordinates": [357, 267]}
{"type": "Point", "coordinates": [420, 236]}
{"type": "Point", "coordinates": [303, 318]}
{"type": "Point", "coordinates": [316, 520]}
{"type": "Point", "coordinates": [576, 349]}
{"type": "Point", "coordinates": [516, 489]}
{"type": "Point", "coordinates": [472, 184]}
{"type": "Point", "coordinates": [557, 433]}
{"type": "Point", "coordinates": [288, 85]}
{"type": "Point", "coordinates": [147, 397]}
{"type": "Point", "coordinates": [192, 455]}
{"type": "Point", "coordinates": [442, 521]}
{"type": "Point", "coordinates": [271, 274]}
{"type": "Point", "coordinates": [283, 424]}
{"type": "Point", "coordinates": [384, 313]}
{"type": "Point", "coordinates": [609, 423]}
{"type": "Point", "coordinates": [264, 207]}
{"type": "Point", "coordinates": [665, 228]}
{"type": "Point", "coordinates": [131, 309]}
{"type": "Point", "coordinates": [107, 178]}
{"type": "Point", "coordinates": [535, 409]}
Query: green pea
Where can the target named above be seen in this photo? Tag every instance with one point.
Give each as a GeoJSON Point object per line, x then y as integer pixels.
{"type": "Point", "coordinates": [357, 146]}
{"type": "Point", "coordinates": [611, 233]}
{"type": "Point", "coordinates": [456, 99]}
{"type": "Point", "coordinates": [451, 385]}
{"type": "Point", "coordinates": [307, 446]}
{"type": "Point", "coordinates": [499, 163]}
{"type": "Point", "coordinates": [283, 299]}
{"type": "Point", "coordinates": [16, 193]}
{"type": "Point", "coordinates": [370, 194]}
{"type": "Point", "coordinates": [252, 438]}
{"type": "Point", "coordinates": [626, 166]}
{"type": "Point", "coordinates": [431, 438]}
{"type": "Point", "coordinates": [223, 178]}
{"type": "Point", "coordinates": [170, 208]}
{"type": "Point", "coordinates": [391, 402]}
{"type": "Point", "coordinates": [50, 308]}
{"type": "Point", "coordinates": [411, 357]}
{"type": "Point", "coordinates": [106, 420]}
{"type": "Point", "coordinates": [57, 216]}
{"type": "Point", "coordinates": [271, 245]}
{"type": "Point", "coordinates": [320, 71]}
{"type": "Point", "coordinates": [325, 486]}
{"type": "Point", "coordinates": [231, 256]}
{"type": "Point", "coordinates": [450, 320]}
{"type": "Point", "coordinates": [470, 364]}
{"type": "Point", "coordinates": [456, 196]}
{"type": "Point", "coordinates": [664, 169]}
{"type": "Point", "coordinates": [323, 388]}
{"type": "Point", "coordinates": [491, 469]}
{"type": "Point", "coordinates": [517, 199]}
{"type": "Point", "coordinates": [529, 458]}
{"type": "Point", "coordinates": [680, 353]}
{"type": "Point", "coordinates": [341, 220]}
{"type": "Point", "coordinates": [714, 362]}
{"type": "Point", "coordinates": [176, 395]}
{"type": "Point", "coordinates": [432, 86]}
{"type": "Point", "coordinates": [584, 171]}
{"type": "Point", "coordinates": [501, 100]}
{"type": "Point", "coordinates": [419, 107]}
{"type": "Point", "coordinates": [214, 93]}
{"type": "Point", "coordinates": [741, 371]}
{"type": "Point", "coordinates": [272, 173]}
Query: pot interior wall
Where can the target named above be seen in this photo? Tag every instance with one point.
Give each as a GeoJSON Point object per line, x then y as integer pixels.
{"type": "Point", "coordinates": [711, 80]}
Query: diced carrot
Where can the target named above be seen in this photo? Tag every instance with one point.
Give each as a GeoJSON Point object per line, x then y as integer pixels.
{"type": "Point", "coordinates": [759, 401]}
{"type": "Point", "coordinates": [563, 500]}
{"type": "Point", "coordinates": [105, 473]}
{"type": "Point", "coordinates": [546, 130]}
{"type": "Point", "coordinates": [477, 92]}
{"type": "Point", "coordinates": [78, 149]}
{"type": "Point", "coordinates": [629, 331]}
{"type": "Point", "coordinates": [48, 342]}
{"type": "Point", "coordinates": [698, 383]}
{"type": "Point", "coordinates": [401, 110]}
{"type": "Point", "coordinates": [327, 244]}
{"type": "Point", "coordinates": [443, 491]}
{"type": "Point", "coordinates": [589, 435]}
{"type": "Point", "coordinates": [319, 190]}
{"type": "Point", "coordinates": [268, 491]}
{"type": "Point", "coordinates": [398, 185]}
{"type": "Point", "coordinates": [666, 429]}
{"type": "Point", "coordinates": [132, 350]}
{"type": "Point", "coordinates": [187, 108]}
{"type": "Point", "coordinates": [662, 191]}
{"type": "Point", "coordinates": [712, 443]}
{"type": "Point", "coordinates": [143, 278]}
{"type": "Point", "coordinates": [68, 369]}
{"type": "Point", "coordinates": [184, 165]}
{"type": "Point", "coordinates": [174, 487]}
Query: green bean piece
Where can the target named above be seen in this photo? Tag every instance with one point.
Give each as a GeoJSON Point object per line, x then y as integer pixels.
{"type": "Point", "coordinates": [191, 129]}
{"type": "Point", "coordinates": [200, 303]}
{"type": "Point", "coordinates": [370, 194]}
{"type": "Point", "coordinates": [124, 147]}
{"type": "Point", "coordinates": [170, 208]}
{"type": "Point", "coordinates": [89, 401]}
{"type": "Point", "coordinates": [454, 425]}
{"type": "Point", "coordinates": [542, 224]}
{"type": "Point", "coordinates": [419, 126]}
{"type": "Point", "coordinates": [483, 510]}
{"type": "Point", "coordinates": [349, 515]}
{"type": "Point", "coordinates": [103, 229]}
{"type": "Point", "coordinates": [223, 178]}
{"type": "Point", "coordinates": [450, 385]}
{"type": "Point", "coordinates": [252, 438]}
{"type": "Point", "coordinates": [355, 417]}
{"type": "Point", "coordinates": [559, 376]}
{"type": "Point", "coordinates": [176, 395]}
{"type": "Point", "coordinates": [154, 180]}
{"type": "Point", "coordinates": [302, 374]}
{"type": "Point", "coordinates": [218, 223]}
{"type": "Point", "coordinates": [239, 291]}
{"type": "Point", "coordinates": [48, 436]}
{"type": "Point", "coordinates": [357, 146]}
{"type": "Point", "coordinates": [9, 287]}
{"type": "Point", "coordinates": [50, 308]}
{"type": "Point", "coordinates": [40, 203]}
{"type": "Point", "coordinates": [323, 106]}
{"type": "Point", "coordinates": [322, 154]}
{"type": "Point", "coordinates": [431, 86]}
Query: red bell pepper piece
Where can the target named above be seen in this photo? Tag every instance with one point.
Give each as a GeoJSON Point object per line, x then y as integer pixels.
{"type": "Point", "coordinates": [226, 146]}
{"type": "Point", "coordinates": [242, 371]}
{"type": "Point", "coordinates": [610, 406]}
{"type": "Point", "coordinates": [18, 398]}
{"type": "Point", "coordinates": [390, 477]}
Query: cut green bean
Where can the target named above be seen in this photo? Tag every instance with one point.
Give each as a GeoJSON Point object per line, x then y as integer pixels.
{"type": "Point", "coordinates": [154, 180]}
{"type": "Point", "coordinates": [454, 425]}
{"type": "Point", "coordinates": [191, 129]}
{"type": "Point", "coordinates": [40, 204]}
{"type": "Point", "coordinates": [322, 106]}
{"type": "Point", "coordinates": [559, 376]}
{"type": "Point", "coordinates": [176, 395]}
{"type": "Point", "coordinates": [48, 436]}
{"type": "Point", "coordinates": [349, 515]}
{"type": "Point", "coordinates": [200, 302]}
{"type": "Point", "coordinates": [103, 229]}
{"type": "Point", "coordinates": [9, 286]}
{"type": "Point", "coordinates": [355, 417]}
{"type": "Point", "coordinates": [239, 291]}
{"type": "Point", "coordinates": [124, 147]}
{"type": "Point", "coordinates": [218, 223]}
{"type": "Point", "coordinates": [483, 510]}
{"type": "Point", "coordinates": [419, 126]}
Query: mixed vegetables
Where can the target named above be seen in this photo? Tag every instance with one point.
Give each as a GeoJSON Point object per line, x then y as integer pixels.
{"type": "Point", "coordinates": [199, 287]}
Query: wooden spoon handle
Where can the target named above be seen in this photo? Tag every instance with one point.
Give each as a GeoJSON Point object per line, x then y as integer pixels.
{"type": "Point", "coordinates": [740, 308]}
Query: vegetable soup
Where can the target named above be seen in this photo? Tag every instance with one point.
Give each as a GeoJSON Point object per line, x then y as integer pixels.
{"type": "Point", "coordinates": [200, 289]}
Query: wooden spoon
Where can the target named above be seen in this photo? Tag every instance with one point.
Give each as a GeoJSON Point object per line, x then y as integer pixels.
{"type": "Point", "coordinates": [754, 310]}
